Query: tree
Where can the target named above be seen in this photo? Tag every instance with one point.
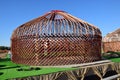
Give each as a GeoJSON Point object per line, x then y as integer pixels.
{"type": "Point", "coordinates": [4, 48]}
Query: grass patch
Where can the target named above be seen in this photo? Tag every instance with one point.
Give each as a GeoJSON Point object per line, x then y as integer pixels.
{"type": "Point", "coordinates": [10, 70]}
{"type": "Point", "coordinates": [115, 59]}
{"type": "Point", "coordinates": [113, 56]}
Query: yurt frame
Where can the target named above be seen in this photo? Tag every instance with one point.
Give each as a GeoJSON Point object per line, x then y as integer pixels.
{"type": "Point", "coordinates": [56, 38]}
{"type": "Point", "coordinates": [111, 46]}
{"type": "Point", "coordinates": [111, 42]}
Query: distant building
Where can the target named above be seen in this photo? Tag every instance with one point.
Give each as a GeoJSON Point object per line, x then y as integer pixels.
{"type": "Point", "coordinates": [111, 42]}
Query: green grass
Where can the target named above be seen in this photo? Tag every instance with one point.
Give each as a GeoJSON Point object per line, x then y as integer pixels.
{"type": "Point", "coordinates": [10, 70]}
{"type": "Point", "coordinates": [115, 59]}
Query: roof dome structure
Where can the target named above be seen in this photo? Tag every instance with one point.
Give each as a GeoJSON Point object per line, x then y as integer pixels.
{"type": "Point", "coordinates": [56, 38]}
{"type": "Point", "coordinates": [111, 42]}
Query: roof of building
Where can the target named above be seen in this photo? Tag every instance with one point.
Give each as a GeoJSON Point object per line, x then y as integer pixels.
{"type": "Point", "coordinates": [113, 36]}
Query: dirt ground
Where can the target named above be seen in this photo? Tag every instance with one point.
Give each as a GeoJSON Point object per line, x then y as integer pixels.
{"type": "Point", "coordinates": [3, 55]}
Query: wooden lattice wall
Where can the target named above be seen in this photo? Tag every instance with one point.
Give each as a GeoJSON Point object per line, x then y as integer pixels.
{"type": "Point", "coordinates": [111, 46]}
{"type": "Point", "coordinates": [56, 38]}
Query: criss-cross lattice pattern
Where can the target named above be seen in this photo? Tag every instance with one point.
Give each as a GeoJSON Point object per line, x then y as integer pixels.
{"type": "Point", "coordinates": [111, 46]}
{"type": "Point", "coordinates": [56, 38]}
{"type": "Point", "coordinates": [111, 42]}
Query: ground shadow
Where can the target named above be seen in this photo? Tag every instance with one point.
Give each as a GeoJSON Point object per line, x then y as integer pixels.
{"type": "Point", "coordinates": [110, 73]}
{"type": "Point", "coordinates": [1, 73]}
{"type": "Point", "coordinates": [9, 67]}
{"type": "Point", "coordinates": [6, 59]}
{"type": "Point", "coordinates": [29, 69]}
{"type": "Point", "coordinates": [2, 66]}
{"type": "Point", "coordinates": [92, 77]}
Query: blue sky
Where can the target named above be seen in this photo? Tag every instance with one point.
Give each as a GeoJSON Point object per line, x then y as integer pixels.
{"type": "Point", "coordinates": [105, 14]}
